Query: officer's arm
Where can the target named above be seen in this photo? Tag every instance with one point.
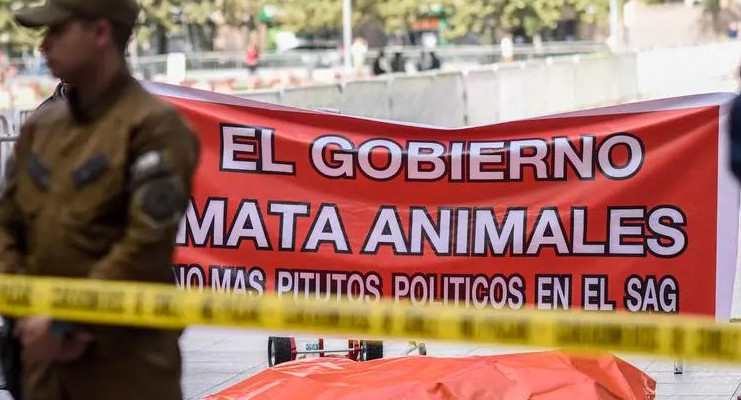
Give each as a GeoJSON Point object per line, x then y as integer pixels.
{"type": "Point", "coordinates": [11, 218]}
{"type": "Point", "coordinates": [164, 155]}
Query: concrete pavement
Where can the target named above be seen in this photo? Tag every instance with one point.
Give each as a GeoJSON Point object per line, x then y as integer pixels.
{"type": "Point", "coordinates": [214, 359]}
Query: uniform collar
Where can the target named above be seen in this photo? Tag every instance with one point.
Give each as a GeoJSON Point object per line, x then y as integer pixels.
{"type": "Point", "coordinates": [92, 110]}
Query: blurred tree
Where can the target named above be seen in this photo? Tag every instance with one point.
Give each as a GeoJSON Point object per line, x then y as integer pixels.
{"type": "Point", "coordinates": [474, 16]}
{"type": "Point", "coordinates": [591, 11]}
{"type": "Point", "coordinates": [486, 16]}
{"type": "Point", "coordinates": [314, 15]}
{"type": "Point", "coordinates": [326, 15]}
{"type": "Point", "coordinates": [531, 15]}
{"type": "Point", "coordinates": [198, 18]}
{"type": "Point", "coordinates": [202, 17]}
{"type": "Point", "coordinates": [713, 8]}
{"type": "Point", "coordinates": [237, 13]}
{"type": "Point", "coordinates": [13, 37]}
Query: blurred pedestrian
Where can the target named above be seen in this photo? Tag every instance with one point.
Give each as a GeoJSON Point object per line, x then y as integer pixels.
{"type": "Point", "coordinates": [732, 30]}
{"type": "Point", "coordinates": [398, 63]}
{"type": "Point", "coordinates": [507, 47]}
{"type": "Point", "coordinates": [358, 51]}
{"type": "Point", "coordinates": [381, 64]}
{"type": "Point", "coordinates": [252, 58]}
{"type": "Point", "coordinates": [428, 61]}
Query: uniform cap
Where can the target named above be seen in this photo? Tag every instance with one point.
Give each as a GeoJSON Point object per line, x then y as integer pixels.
{"type": "Point", "coordinates": [57, 11]}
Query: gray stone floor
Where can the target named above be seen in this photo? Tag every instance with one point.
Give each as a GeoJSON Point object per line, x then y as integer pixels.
{"type": "Point", "coordinates": [215, 359]}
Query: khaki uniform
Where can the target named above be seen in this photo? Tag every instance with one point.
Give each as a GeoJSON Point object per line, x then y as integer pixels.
{"type": "Point", "coordinates": [97, 191]}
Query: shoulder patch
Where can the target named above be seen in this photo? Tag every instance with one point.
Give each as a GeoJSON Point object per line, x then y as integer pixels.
{"type": "Point", "coordinates": [162, 201]}
{"type": "Point", "coordinates": [91, 170]}
{"type": "Point", "coordinates": [147, 166]}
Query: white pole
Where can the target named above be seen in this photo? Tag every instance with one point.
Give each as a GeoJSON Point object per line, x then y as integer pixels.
{"type": "Point", "coordinates": [614, 24]}
{"type": "Point", "coordinates": [346, 33]}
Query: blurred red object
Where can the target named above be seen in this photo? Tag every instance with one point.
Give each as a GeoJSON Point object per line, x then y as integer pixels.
{"type": "Point", "coordinates": [533, 376]}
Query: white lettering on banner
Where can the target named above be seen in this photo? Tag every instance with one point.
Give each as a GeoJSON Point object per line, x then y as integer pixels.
{"type": "Point", "coordinates": [595, 296]}
{"type": "Point", "coordinates": [481, 291]}
{"type": "Point", "coordinates": [386, 230]}
{"type": "Point", "coordinates": [199, 229]}
{"type": "Point", "coordinates": [248, 225]}
{"type": "Point", "coordinates": [548, 232]}
{"type": "Point", "coordinates": [232, 150]}
{"type": "Point", "coordinates": [365, 153]}
{"type": "Point", "coordinates": [289, 213]}
{"type": "Point", "coordinates": [510, 235]}
{"type": "Point", "coordinates": [327, 228]}
{"type": "Point", "coordinates": [650, 294]}
{"type": "Point", "coordinates": [189, 276]}
{"type": "Point", "coordinates": [635, 157]}
{"type": "Point", "coordinates": [420, 154]}
{"type": "Point", "coordinates": [462, 219]}
{"type": "Point", "coordinates": [456, 231]}
{"type": "Point", "coordinates": [236, 279]}
{"type": "Point", "coordinates": [498, 291]}
{"type": "Point", "coordinates": [621, 228]}
{"type": "Point", "coordinates": [564, 151]}
{"type": "Point", "coordinates": [670, 231]}
{"type": "Point", "coordinates": [239, 151]}
{"type": "Point", "coordinates": [553, 292]}
{"type": "Point", "coordinates": [326, 285]}
{"type": "Point", "coordinates": [579, 234]}
{"type": "Point", "coordinates": [343, 158]}
{"type": "Point", "coordinates": [423, 227]}
{"type": "Point", "coordinates": [482, 155]}
{"type": "Point", "coordinates": [537, 159]}
{"type": "Point", "coordinates": [334, 156]}
{"type": "Point", "coordinates": [221, 279]}
{"type": "Point", "coordinates": [456, 157]}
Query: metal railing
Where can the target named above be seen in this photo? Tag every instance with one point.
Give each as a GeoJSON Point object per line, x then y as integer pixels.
{"type": "Point", "coordinates": [485, 54]}
{"type": "Point", "coordinates": [152, 65]}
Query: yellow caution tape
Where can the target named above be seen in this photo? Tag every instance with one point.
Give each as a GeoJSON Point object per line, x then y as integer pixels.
{"type": "Point", "coordinates": [162, 306]}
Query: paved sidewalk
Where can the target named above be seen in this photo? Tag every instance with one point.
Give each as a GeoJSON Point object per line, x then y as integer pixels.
{"type": "Point", "coordinates": [215, 359]}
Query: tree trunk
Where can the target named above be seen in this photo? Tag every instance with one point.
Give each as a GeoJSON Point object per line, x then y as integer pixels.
{"type": "Point", "coordinates": [161, 37]}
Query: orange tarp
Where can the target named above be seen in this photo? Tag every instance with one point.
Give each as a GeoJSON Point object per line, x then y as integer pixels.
{"type": "Point", "coordinates": [536, 376]}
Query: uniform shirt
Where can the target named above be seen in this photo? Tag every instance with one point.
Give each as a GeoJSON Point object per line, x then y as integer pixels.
{"type": "Point", "coordinates": [97, 190]}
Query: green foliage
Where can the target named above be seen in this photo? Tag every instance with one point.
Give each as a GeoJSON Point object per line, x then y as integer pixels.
{"type": "Point", "coordinates": [661, 1]}
{"type": "Point", "coordinates": [483, 17]}
{"type": "Point", "coordinates": [15, 37]}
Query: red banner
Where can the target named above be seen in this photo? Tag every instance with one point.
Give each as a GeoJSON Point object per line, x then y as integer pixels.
{"type": "Point", "coordinates": [627, 207]}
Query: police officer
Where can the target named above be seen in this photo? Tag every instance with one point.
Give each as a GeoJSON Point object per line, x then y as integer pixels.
{"type": "Point", "coordinates": [96, 188]}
